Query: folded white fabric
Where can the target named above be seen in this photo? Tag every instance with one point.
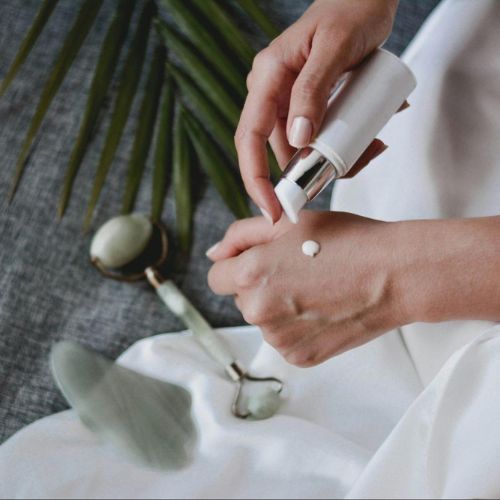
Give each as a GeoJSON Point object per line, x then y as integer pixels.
{"type": "Point", "coordinates": [333, 437]}
{"type": "Point", "coordinates": [333, 419]}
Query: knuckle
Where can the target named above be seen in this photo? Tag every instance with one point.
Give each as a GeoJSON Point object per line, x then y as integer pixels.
{"type": "Point", "coordinates": [233, 229]}
{"type": "Point", "coordinates": [309, 88]}
{"type": "Point", "coordinates": [279, 341]}
{"type": "Point", "coordinates": [211, 278]}
{"type": "Point", "coordinates": [255, 314]}
{"type": "Point", "coordinates": [250, 272]}
{"type": "Point", "coordinates": [240, 134]}
{"type": "Point", "coordinates": [249, 80]}
{"type": "Point", "coordinates": [264, 59]}
{"type": "Point", "coordinates": [302, 358]}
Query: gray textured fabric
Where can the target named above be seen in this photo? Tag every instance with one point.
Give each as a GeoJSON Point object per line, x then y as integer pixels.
{"type": "Point", "coordinates": [48, 291]}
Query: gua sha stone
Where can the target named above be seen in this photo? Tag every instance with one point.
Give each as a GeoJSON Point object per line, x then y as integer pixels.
{"type": "Point", "coordinates": [147, 419]}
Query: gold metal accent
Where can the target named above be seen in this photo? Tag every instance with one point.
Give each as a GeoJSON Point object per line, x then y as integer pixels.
{"type": "Point", "coordinates": [235, 409]}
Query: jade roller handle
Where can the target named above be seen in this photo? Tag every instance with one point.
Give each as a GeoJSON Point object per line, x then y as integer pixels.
{"type": "Point", "coordinates": [177, 302]}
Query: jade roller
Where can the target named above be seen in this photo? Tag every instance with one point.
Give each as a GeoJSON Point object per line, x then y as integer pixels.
{"type": "Point", "coordinates": [130, 248]}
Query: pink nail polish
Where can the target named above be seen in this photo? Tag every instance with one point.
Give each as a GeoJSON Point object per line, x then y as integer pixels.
{"type": "Point", "coordinates": [301, 132]}
{"type": "Point", "coordinates": [212, 249]}
{"type": "Point", "coordinates": [267, 215]}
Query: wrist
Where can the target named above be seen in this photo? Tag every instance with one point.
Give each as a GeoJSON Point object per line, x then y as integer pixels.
{"type": "Point", "coordinates": [446, 269]}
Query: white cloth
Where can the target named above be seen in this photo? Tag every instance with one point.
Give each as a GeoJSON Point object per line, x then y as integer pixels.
{"type": "Point", "coordinates": [444, 152]}
{"type": "Point", "coordinates": [373, 422]}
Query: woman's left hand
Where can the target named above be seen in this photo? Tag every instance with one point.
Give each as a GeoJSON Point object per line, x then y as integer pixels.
{"type": "Point", "coordinates": [311, 309]}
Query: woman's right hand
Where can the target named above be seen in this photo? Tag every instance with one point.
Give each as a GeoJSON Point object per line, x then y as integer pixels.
{"type": "Point", "coordinates": [291, 80]}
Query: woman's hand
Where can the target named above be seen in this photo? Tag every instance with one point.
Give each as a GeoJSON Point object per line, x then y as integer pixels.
{"type": "Point", "coordinates": [368, 278]}
{"type": "Point", "coordinates": [291, 80]}
{"type": "Point", "coordinates": [310, 309]}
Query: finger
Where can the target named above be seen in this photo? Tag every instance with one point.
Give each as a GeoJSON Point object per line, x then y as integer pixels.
{"type": "Point", "coordinates": [256, 124]}
{"type": "Point", "coordinates": [376, 148]}
{"type": "Point", "coordinates": [279, 143]}
{"type": "Point", "coordinates": [312, 88]}
{"type": "Point", "coordinates": [241, 236]}
{"type": "Point", "coordinates": [221, 277]}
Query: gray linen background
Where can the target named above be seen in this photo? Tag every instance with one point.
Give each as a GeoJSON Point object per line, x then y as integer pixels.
{"type": "Point", "coordinates": [48, 291]}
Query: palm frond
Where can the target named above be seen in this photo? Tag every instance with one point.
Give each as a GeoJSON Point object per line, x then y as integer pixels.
{"type": "Point", "coordinates": [129, 81]}
{"type": "Point", "coordinates": [145, 128]}
{"type": "Point", "coordinates": [74, 40]}
{"type": "Point", "coordinates": [103, 75]}
{"type": "Point", "coordinates": [227, 29]}
{"type": "Point", "coordinates": [205, 42]}
{"type": "Point", "coordinates": [29, 41]}
{"type": "Point", "coordinates": [182, 166]}
{"type": "Point", "coordinates": [261, 19]}
{"type": "Point", "coordinates": [212, 162]}
{"type": "Point", "coordinates": [212, 56]}
{"type": "Point", "coordinates": [163, 151]}
{"type": "Point", "coordinates": [200, 72]}
{"type": "Point", "coordinates": [208, 113]}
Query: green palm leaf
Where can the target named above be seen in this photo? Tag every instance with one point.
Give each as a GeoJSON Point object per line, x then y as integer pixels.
{"type": "Point", "coordinates": [145, 128]}
{"type": "Point", "coordinates": [227, 28]}
{"type": "Point", "coordinates": [200, 72]}
{"type": "Point", "coordinates": [129, 81]}
{"type": "Point", "coordinates": [212, 161]}
{"type": "Point", "coordinates": [74, 40]}
{"type": "Point", "coordinates": [182, 165]}
{"type": "Point", "coordinates": [163, 152]}
{"type": "Point", "coordinates": [205, 109]}
{"type": "Point", "coordinates": [101, 82]}
{"type": "Point", "coordinates": [205, 42]}
{"type": "Point", "coordinates": [29, 41]}
{"type": "Point", "coordinates": [260, 18]}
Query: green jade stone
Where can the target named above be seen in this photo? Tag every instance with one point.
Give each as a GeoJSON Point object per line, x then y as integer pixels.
{"type": "Point", "coordinates": [264, 405]}
{"type": "Point", "coordinates": [146, 419]}
{"type": "Point", "coordinates": [121, 240]}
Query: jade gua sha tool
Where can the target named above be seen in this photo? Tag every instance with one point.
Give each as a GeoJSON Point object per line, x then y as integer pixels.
{"type": "Point", "coordinates": [145, 419]}
{"type": "Point", "coordinates": [123, 249]}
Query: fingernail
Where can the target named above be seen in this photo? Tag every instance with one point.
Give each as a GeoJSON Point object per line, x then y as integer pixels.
{"type": "Point", "coordinates": [212, 249]}
{"type": "Point", "coordinates": [267, 215]}
{"type": "Point", "coordinates": [301, 132]}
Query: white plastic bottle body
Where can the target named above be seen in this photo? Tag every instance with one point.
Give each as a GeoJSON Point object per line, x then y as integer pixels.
{"type": "Point", "coordinates": [358, 110]}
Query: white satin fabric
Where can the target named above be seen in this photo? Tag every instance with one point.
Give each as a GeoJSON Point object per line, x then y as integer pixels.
{"type": "Point", "coordinates": [444, 152]}
{"type": "Point", "coordinates": [396, 418]}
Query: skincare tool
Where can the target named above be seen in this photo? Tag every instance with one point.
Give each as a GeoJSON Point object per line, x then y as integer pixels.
{"type": "Point", "coordinates": [146, 419]}
{"type": "Point", "coordinates": [358, 109]}
{"type": "Point", "coordinates": [130, 248]}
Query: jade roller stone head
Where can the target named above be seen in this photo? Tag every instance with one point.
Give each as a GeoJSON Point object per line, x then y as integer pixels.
{"type": "Point", "coordinates": [121, 240]}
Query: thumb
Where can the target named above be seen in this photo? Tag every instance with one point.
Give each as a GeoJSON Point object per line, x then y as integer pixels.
{"type": "Point", "coordinates": [312, 88]}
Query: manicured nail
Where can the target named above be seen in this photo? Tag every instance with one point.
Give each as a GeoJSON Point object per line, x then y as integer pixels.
{"type": "Point", "coordinates": [267, 215]}
{"type": "Point", "coordinates": [301, 132]}
{"type": "Point", "coordinates": [212, 249]}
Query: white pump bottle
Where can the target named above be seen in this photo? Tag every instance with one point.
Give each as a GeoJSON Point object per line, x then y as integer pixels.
{"type": "Point", "coordinates": [359, 108]}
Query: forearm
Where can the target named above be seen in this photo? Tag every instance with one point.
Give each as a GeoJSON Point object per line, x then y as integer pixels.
{"type": "Point", "coordinates": [449, 269]}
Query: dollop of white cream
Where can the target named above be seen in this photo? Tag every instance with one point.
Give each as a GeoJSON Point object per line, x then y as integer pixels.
{"type": "Point", "coordinates": [311, 248]}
